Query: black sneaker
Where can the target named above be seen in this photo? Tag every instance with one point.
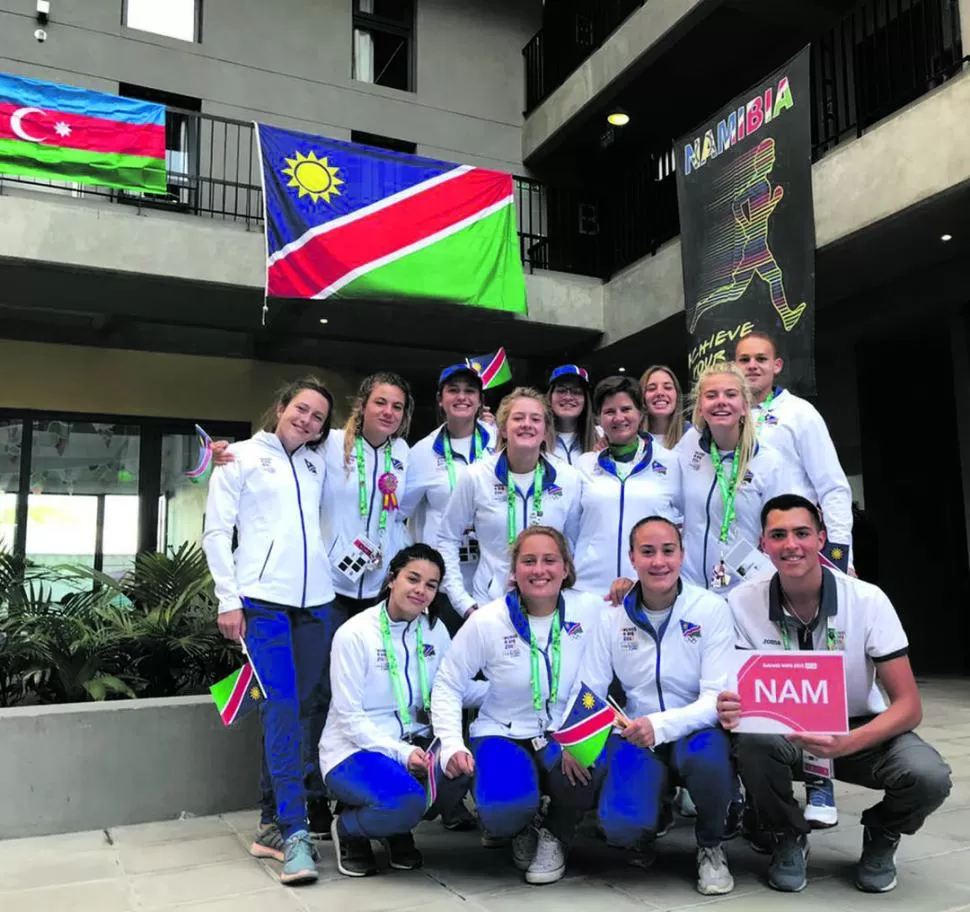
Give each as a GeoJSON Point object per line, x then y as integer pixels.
{"type": "Point", "coordinates": [402, 853]}
{"type": "Point", "coordinates": [787, 871]}
{"type": "Point", "coordinates": [355, 857]}
{"type": "Point", "coordinates": [665, 822]}
{"type": "Point", "coordinates": [459, 819]}
{"type": "Point", "coordinates": [876, 871]}
{"type": "Point", "coordinates": [320, 818]}
{"type": "Point", "coordinates": [760, 841]}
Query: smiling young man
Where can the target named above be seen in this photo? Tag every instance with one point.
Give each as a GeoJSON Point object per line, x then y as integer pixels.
{"type": "Point", "coordinates": [805, 606]}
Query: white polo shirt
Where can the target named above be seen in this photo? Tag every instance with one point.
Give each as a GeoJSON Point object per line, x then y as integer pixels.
{"type": "Point", "coordinates": [864, 623]}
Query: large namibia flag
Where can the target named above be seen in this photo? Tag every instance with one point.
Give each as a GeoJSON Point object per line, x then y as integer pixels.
{"type": "Point", "coordinates": [61, 132]}
{"type": "Point", "coordinates": [345, 220]}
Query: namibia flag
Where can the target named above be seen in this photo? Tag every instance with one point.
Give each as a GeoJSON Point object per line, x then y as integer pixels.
{"type": "Point", "coordinates": [587, 726]}
{"type": "Point", "coordinates": [237, 694]}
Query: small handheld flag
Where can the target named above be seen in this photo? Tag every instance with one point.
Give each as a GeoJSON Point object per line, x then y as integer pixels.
{"type": "Point", "coordinates": [493, 368]}
{"type": "Point", "coordinates": [433, 753]}
{"type": "Point", "coordinates": [587, 726]}
{"type": "Point", "coordinates": [236, 695]}
{"type": "Point", "coordinates": [203, 467]}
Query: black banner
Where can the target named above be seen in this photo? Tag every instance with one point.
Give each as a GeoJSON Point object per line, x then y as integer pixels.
{"type": "Point", "coordinates": [747, 225]}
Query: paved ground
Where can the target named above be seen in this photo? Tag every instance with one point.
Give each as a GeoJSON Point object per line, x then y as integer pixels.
{"type": "Point", "coordinates": [201, 864]}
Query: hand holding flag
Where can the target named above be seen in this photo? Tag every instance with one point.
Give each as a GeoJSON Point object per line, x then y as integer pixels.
{"type": "Point", "coordinates": [587, 726]}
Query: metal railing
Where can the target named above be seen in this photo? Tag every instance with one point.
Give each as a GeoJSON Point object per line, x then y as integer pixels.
{"type": "Point", "coordinates": [566, 40]}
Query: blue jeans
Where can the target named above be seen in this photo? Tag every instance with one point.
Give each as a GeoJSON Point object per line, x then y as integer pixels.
{"type": "Point", "coordinates": [510, 779]}
{"type": "Point", "coordinates": [381, 798]}
{"type": "Point", "coordinates": [290, 649]}
{"type": "Point", "coordinates": [632, 782]}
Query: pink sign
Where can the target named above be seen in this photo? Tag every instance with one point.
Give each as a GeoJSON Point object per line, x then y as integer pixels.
{"type": "Point", "coordinates": [792, 693]}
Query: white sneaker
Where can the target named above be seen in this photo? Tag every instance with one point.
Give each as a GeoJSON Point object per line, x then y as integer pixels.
{"type": "Point", "coordinates": [713, 875]}
{"type": "Point", "coordinates": [549, 863]}
{"type": "Point", "coordinates": [684, 804]}
{"type": "Point", "coordinates": [524, 845]}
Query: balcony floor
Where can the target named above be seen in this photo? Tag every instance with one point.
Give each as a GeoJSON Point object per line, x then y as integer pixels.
{"type": "Point", "coordinates": [201, 864]}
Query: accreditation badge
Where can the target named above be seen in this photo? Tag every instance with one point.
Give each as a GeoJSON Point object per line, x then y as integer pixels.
{"type": "Point", "coordinates": [822, 767]}
{"type": "Point", "coordinates": [744, 559]}
{"type": "Point", "coordinates": [468, 550]}
{"type": "Point", "coordinates": [359, 558]}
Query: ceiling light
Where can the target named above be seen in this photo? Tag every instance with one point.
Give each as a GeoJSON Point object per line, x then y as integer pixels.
{"type": "Point", "coordinates": [618, 118]}
{"type": "Point", "coordinates": [622, 370]}
{"type": "Point", "coordinates": [946, 237]}
{"type": "Point", "coordinates": [324, 320]}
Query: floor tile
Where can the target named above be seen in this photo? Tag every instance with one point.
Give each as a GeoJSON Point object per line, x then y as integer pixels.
{"type": "Point", "coordinates": [96, 896]}
{"type": "Point", "coordinates": [198, 884]}
{"type": "Point", "coordinates": [167, 856]}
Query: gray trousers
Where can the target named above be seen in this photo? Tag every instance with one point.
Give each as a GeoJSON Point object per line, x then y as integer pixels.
{"type": "Point", "coordinates": [914, 778]}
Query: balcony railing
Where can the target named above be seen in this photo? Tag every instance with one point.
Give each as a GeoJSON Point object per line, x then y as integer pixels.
{"type": "Point", "coordinates": [566, 40]}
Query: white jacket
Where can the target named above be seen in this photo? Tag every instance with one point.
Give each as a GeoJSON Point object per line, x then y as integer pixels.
{"type": "Point", "coordinates": [429, 490]}
{"type": "Point", "coordinates": [495, 641]}
{"type": "Point", "coordinates": [672, 675]}
{"type": "Point", "coordinates": [611, 507]}
{"type": "Point", "coordinates": [794, 428]}
{"type": "Point", "coordinates": [342, 520]}
{"type": "Point", "coordinates": [480, 501]}
{"type": "Point", "coordinates": [363, 709]}
{"type": "Point", "coordinates": [569, 453]}
{"type": "Point", "coordinates": [273, 501]}
{"type": "Point", "coordinates": [766, 477]}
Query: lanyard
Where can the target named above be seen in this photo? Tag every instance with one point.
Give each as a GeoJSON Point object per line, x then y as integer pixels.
{"type": "Point", "coordinates": [536, 497]}
{"type": "Point", "coordinates": [450, 459]}
{"type": "Point", "coordinates": [556, 637]}
{"type": "Point", "coordinates": [403, 703]}
{"type": "Point", "coordinates": [765, 406]}
{"type": "Point", "coordinates": [729, 488]}
{"type": "Point", "coordinates": [362, 481]}
{"type": "Point", "coordinates": [831, 635]}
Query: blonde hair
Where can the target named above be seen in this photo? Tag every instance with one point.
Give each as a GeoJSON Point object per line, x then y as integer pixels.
{"type": "Point", "coordinates": [748, 438]}
{"type": "Point", "coordinates": [675, 430]}
{"type": "Point", "coordinates": [505, 409]}
{"type": "Point", "coordinates": [355, 423]}
{"type": "Point", "coordinates": [561, 544]}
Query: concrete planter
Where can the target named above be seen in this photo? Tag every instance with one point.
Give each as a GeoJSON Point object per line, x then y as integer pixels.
{"type": "Point", "coordinates": [89, 766]}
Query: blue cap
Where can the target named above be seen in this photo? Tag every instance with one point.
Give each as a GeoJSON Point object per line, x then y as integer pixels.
{"type": "Point", "coordinates": [569, 370]}
{"type": "Point", "coordinates": [453, 369]}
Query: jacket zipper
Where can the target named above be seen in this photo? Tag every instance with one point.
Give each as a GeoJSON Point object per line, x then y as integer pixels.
{"type": "Point", "coordinates": [299, 504]}
{"type": "Point", "coordinates": [707, 533]}
{"type": "Point", "coordinates": [370, 513]}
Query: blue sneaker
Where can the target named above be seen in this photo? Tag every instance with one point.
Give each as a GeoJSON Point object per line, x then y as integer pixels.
{"type": "Point", "coordinates": [820, 810]}
{"type": "Point", "coordinates": [298, 866]}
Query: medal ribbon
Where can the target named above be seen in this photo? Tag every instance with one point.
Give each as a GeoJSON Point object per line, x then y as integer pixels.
{"type": "Point", "coordinates": [450, 459]}
{"type": "Point", "coordinates": [394, 670]}
{"type": "Point", "coordinates": [556, 636]}
{"type": "Point", "coordinates": [389, 501]}
{"type": "Point", "coordinates": [537, 479]}
{"type": "Point", "coordinates": [729, 488]}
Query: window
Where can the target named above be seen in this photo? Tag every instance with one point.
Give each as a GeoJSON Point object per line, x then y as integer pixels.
{"type": "Point", "coordinates": [180, 19]}
{"type": "Point", "coordinates": [99, 489]}
{"type": "Point", "coordinates": [384, 43]}
{"type": "Point", "coordinates": [181, 146]}
{"type": "Point", "coordinates": [383, 142]}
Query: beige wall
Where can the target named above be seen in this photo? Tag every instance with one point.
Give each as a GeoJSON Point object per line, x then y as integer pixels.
{"type": "Point", "coordinates": [72, 378]}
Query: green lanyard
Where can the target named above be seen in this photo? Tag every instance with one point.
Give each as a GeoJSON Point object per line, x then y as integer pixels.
{"type": "Point", "coordinates": [534, 655]}
{"type": "Point", "coordinates": [763, 411]}
{"type": "Point", "coordinates": [362, 480]}
{"type": "Point", "coordinates": [450, 459]}
{"type": "Point", "coordinates": [397, 682]}
{"type": "Point", "coordinates": [729, 488]}
{"type": "Point", "coordinates": [536, 498]}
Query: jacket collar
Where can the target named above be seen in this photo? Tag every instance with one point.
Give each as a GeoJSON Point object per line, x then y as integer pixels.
{"type": "Point", "coordinates": [634, 598]}
{"type": "Point", "coordinates": [828, 601]}
{"type": "Point", "coordinates": [439, 441]}
{"type": "Point", "coordinates": [608, 464]}
{"type": "Point", "coordinates": [706, 441]}
{"type": "Point", "coordinates": [548, 471]}
{"type": "Point", "coordinates": [269, 439]}
{"type": "Point", "coordinates": [520, 618]}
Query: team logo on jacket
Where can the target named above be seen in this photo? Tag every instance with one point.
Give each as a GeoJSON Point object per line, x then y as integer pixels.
{"type": "Point", "coordinates": [510, 646]}
{"type": "Point", "coordinates": [628, 638]}
{"type": "Point", "coordinates": [266, 464]}
{"type": "Point", "coordinates": [381, 659]}
{"type": "Point", "coordinates": [310, 466]}
{"type": "Point", "coordinates": [500, 491]}
{"type": "Point", "coordinates": [659, 468]}
{"type": "Point", "coordinates": [553, 491]}
{"type": "Point", "coordinates": [429, 650]}
{"type": "Point", "coordinates": [573, 629]}
{"type": "Point", "coordinates": [397, 464]}
{"type": "Point", "coordinates": [769, 418]}
{"type": "Point", "coordinates": [748, 477]}
{"type": "Point", "coordinates": [691, 632]}
{"type": "Point", "coordinates": [697, 459]}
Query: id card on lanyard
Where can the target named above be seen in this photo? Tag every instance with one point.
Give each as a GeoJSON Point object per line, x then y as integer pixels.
{"type": "Point", "coordinates": [387, 485]}
{"type": "Point", "coordinates": [821, 767]}
{"type": "Point", "coordinates": [543, 708]}
{"type": "Point", "coordinates": [536, 513]}
{"type": "Point", "coordinates": [397, 679]}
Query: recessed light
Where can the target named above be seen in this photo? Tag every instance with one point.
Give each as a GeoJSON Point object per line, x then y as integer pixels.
{"type": "Point", "coordinates": [324, 320]}
{"type": "Point", "coordinates": [622, 370]}
{"type": "Point", "coordinates": [618, 118]}
{"type": "Point", "coordinates": [946, 237]}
